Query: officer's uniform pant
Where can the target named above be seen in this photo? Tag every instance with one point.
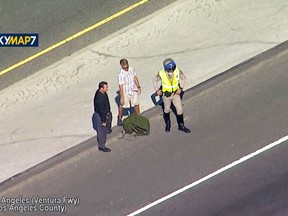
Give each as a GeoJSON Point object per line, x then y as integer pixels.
{"type": "Point", "coordinates": [102, 131]}
{"type": "Point", "coordinates": [177, 102]}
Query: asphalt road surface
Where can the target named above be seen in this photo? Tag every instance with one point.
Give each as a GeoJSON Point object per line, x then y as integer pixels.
{"type": "Point", "coordinates": [55, 21]}
{"type": "Point", "coordinates": [255, 187]}
{"type": "Point", "coordinates": [230, 116]}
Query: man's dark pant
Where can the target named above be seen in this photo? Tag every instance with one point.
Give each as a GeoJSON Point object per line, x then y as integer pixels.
{"type": "Point", "coordinates": [102, 131]}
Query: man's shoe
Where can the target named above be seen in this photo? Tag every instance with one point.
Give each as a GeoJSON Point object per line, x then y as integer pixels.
{"type": "Point", "coordinates": [167, 128]}
{"type": "Point", "coordinates": [104, 149]}
{"type": "Point", "coordinates": [184, 129]}
{"type": "Point", "coordinates": [110, 131]}
{"type": "Point", "coordinates": [119, 122]}
{"type": "Point", "coordinates": [168, 124]}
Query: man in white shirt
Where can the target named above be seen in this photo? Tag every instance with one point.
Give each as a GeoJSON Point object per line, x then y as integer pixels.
{"type": "Point", "coordinates": [129, 89]}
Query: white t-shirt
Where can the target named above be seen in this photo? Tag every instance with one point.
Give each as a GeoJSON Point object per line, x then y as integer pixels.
{"type": "Point", "coordinates": [126, 78]}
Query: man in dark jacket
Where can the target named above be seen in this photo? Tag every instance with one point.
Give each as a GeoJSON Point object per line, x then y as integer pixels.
{"type": "Point", "coordinates": [102, 116]}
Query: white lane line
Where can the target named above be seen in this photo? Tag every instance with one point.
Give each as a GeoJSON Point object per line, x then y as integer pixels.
{"type": "Point", "coordinates": [229, 166]}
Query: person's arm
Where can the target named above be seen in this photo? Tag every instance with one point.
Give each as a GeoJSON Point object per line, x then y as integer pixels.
{"type": "Point", "coordinates": [156, 88]}
{"type": "Point", "coordinates": [121, 93]}
{"type": "Point", "coordinates": [182, 82]}
{"type": "Point", "coordinates": [100, 106]}
{"type": "Point", "coordinates": [95, 102]}
{"type": "Point", "coordinates": [121, 90]}
{"type": "Point", "coordinates": [137, 84]}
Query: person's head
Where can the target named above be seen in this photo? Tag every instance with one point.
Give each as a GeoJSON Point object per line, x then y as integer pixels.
{"type": "Point", "coordinates": [124, 64]}
{"type": "Point", "coordinates": [103, 86]}
{"type": "Point", "coordinates": [169, 65]}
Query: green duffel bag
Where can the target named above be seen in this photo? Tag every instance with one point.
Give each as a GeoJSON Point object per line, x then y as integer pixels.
{"type": "Point", "coordinates": [137, 124]}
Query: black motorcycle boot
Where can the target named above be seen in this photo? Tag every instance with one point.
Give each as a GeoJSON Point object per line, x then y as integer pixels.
{"type": "Point", "coordinates": [181, 126]}
{"type": "Point", "coordinates": [167, 121]}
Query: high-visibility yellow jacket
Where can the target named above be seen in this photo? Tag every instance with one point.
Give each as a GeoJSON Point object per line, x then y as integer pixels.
{"type": "Point", "coordinates": [167, 85]}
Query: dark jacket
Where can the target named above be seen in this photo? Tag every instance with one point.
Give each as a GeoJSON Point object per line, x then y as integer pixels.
{"type": "Point", "coordinates": [101, 104]}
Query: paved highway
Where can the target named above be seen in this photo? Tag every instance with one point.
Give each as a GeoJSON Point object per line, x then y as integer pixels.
{"type": "Point", "coordinates": [55, 21]}
{"type": "Point", "coordinates": [232, 115]}
{"type": "Point", "coordinates": [255, 187]}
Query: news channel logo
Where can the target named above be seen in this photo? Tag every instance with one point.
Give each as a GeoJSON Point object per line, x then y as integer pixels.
{"type": "Point", "coordinates": [19, 40]}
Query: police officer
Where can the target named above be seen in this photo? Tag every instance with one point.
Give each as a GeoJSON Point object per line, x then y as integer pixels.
{"type": "Point", "coordinates": [172, 82]}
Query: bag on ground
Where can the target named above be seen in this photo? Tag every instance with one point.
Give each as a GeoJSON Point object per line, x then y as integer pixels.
{"type": "Point", "coordinates": [137, 124]}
